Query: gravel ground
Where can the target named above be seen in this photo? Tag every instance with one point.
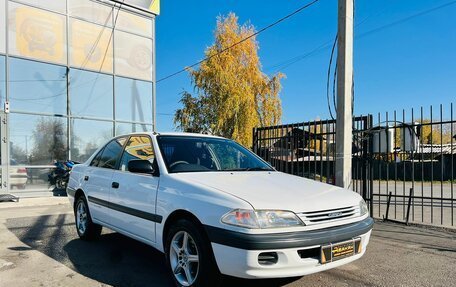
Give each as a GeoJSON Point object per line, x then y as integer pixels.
{"type": "Point", "coordinates": [39, 247]}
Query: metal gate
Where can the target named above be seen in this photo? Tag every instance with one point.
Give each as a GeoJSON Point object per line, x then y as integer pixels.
{"type": "Point", "coordinates": [308, 149]}
{"type": "Point", "coordinates": [404, 163]}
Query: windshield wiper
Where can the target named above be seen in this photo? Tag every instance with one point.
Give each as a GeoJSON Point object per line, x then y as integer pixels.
{"type": "Point", "coordinates": [258, 168]}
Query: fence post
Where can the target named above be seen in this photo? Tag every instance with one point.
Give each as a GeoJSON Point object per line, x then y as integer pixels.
{"type": "Point", "coordinates": [408, 206]}
{"type": "Point", "coordinates": [388, 206]}
{"type": "Point", "coordinates": [254, 141]}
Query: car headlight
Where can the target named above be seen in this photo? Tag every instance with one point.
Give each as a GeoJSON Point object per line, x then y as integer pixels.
{"type": "Point", "coordinates": [363, 207]}
{"type": "Point", "coordinates": [262, 218]}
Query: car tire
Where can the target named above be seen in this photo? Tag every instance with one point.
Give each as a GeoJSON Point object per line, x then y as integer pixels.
{"type": "Point", "coordinates": [202, 273]}
{"type": "Point", "coordinates": [87, 230]}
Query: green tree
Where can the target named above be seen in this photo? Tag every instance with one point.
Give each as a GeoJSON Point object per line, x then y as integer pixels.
{"type": "Point", "coordinates": [233, 94]}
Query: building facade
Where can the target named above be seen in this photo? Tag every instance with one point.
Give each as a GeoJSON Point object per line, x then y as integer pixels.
{"type": "Point", "coordinates": [73, 73]}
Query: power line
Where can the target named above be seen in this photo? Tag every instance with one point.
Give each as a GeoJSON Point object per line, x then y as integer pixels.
{"type": "Point", "coordinates": [325, 45]}
{"type": "Point", "coordinates": [97, 40]}
{"type": "Point", "coordinates": [328, 78]}
{"type": "Point", "coordinates": [104, 55]}
{"type": "Point", "coordinates": [291, 61]}
{"type": "Point", "coordinates": [285, 64]}
{"type": "Point", "coordinates": [400, 21]}
{"type": "Point", "coordinates": [241, 41]}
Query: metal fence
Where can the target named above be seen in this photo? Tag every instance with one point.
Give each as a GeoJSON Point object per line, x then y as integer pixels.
{"type": "Point", "coordinates": [404, 163]}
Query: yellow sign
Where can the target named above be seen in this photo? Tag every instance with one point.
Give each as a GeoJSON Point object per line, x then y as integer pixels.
{"type": "Point", "coordinates": [40, 34]}
{"type": "Point", "coordinates": [89, 49]}
{"type": "Point", "coordinates": [152, 5]}
{"type": "Point", "coordinates": [155, 7]}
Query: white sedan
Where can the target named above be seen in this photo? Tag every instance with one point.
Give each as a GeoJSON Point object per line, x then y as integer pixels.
{"type": "Point", "coordinates": [214, 207]}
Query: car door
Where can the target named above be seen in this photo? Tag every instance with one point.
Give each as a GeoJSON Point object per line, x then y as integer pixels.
{"type": "Point", "coordinates": [133, 195]}
{"type": "Point", "coordinates": [98, 178]}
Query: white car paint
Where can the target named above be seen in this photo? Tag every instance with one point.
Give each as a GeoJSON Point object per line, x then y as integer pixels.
{"type": "Point", "coordinates": [209, 196]}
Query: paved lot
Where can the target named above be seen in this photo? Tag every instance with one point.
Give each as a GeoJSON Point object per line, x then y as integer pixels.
{"type": "Point", "coordinates": [39, 247]}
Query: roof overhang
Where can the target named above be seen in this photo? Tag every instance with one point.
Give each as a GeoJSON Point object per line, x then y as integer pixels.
{"type": "Point", "coordinates": [144, 6]}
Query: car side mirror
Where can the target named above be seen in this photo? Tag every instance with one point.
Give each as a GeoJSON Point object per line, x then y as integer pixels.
{"type": "Point", "coordinates": [140, 166]}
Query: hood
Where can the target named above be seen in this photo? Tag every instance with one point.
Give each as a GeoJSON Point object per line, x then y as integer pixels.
{"type": "Point", "coordinates": [276, 190]}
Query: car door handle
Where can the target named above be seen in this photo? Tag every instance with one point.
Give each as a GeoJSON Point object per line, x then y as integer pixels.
{"type": "Point", "coordinates": [115, 185]}
{"type": "Point", "coordinates": [86, 178]}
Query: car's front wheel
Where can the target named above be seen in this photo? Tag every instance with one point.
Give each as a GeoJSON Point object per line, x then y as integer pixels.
{"type": "Point", "coordinates": [87, 230]}
{"type": "Point", "coordinates": [189, 256]}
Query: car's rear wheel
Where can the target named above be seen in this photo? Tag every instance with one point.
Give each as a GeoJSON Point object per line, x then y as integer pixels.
{"type": "Point", "coordinates": [189, 256]}
{"type": "Point", "coordinates": [87, 230]}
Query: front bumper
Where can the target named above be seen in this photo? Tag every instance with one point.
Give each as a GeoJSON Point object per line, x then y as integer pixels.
{"type": "Point", "coordinates": [237, 253]}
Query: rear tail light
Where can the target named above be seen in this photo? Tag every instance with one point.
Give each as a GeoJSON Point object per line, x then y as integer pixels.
{"type": "Point", "coordinates": [21, 170]}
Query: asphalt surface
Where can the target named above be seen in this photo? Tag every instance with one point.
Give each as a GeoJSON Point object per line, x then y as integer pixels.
{"type": "Point", "coordinates": [40, 247]}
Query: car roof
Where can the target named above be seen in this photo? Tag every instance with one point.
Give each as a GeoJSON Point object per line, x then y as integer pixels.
{"type": "Point", "coordinates": [171, 134]}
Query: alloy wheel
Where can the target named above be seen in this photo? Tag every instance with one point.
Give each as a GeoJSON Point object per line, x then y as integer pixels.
{"type": "Point", "coordinates": [81, 217]}
{"type": "Point", "coordinates": [184, 258]}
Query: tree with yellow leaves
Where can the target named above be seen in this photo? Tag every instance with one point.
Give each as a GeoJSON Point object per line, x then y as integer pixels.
{"type": "Point", "coordinates": [233, 94]}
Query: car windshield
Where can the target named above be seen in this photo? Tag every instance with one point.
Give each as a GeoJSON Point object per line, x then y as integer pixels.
{"type": "Point", "coordinates": [203, 154]}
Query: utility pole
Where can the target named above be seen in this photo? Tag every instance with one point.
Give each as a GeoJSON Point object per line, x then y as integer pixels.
{"type": "Point", "coordinates": [344, 94]}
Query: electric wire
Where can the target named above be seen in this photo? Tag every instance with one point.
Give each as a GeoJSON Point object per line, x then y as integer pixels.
{"type": "Point", "coordinates": [408, 18]}
{"type": "Point", "coordinates": [329, 76]}
{"type": "Point", "coordinates": [327, 44]}
{"type": "Point", "coordinates": [104, 56]}
{"type": "Point", "coordinates": [239, 42]}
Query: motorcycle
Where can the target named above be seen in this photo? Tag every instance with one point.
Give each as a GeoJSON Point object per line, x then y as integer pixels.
{"type": "Point", "coordinates": [60, 175]}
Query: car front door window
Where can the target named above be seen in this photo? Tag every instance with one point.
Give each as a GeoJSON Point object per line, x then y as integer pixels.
{"type": "Point", "coordinates": [138, 147]}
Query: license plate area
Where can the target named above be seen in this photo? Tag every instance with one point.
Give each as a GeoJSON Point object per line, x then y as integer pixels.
{"type": "Point", "coordinates": [336, 251]}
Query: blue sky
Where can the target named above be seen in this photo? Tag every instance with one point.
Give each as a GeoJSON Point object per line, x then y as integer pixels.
{"type": "Point", "coordinates": [407, 65]}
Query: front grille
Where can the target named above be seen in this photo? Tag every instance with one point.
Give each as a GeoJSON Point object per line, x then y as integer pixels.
{"type": "Point", "coordinates": [323, 216]}
{"type": "Point", "coordinates": [310, 253]}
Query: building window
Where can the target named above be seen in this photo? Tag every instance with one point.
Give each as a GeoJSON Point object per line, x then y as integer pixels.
{"type": "Point", "coordinates": [91, 94]}
{"type": "Point", "coordinates": [133, 56]}
{"type": "Point", "coordinates": [91, 11]}
{"type": "Point", "coordinates": [36, 33]}
{"type": "Point", "coordinates": [57, 6]}
{"type": "Point", "coordinates": [2, 26]}
{"type": "Point", "coordinates": [132, 23]}
{"type": "Point", "coordinates": [37, 87]}
{"type": "Point", "coordinates": [2, 82]}
{"type": "Point", "coordinates": [37, 140]}
{"type": "Point", "coordinates": [133, 100]}
{"type": "Point", "coordinates": [126, 128]}
{"type": "Point", "coordinates": [87, 136]}
{"type": "Point", "coordinates": [90, 46]}
{"type": "Point", "coordinates": [70, 76]}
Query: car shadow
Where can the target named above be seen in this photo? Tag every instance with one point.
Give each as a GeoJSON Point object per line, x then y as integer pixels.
{"type": "Point", "coordinates": [113, 259]}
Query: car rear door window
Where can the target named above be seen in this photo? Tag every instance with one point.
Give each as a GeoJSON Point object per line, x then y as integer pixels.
{"type": "Point", "coordinates": [138, 147]}
{"type": "Point", "coordinates": [111, 153]}
{"type": "Point", "coordinates": [96, 159]}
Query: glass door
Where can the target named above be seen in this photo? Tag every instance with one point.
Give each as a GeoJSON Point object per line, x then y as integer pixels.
{"type": "Point", "coordinates": [3, 154]}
